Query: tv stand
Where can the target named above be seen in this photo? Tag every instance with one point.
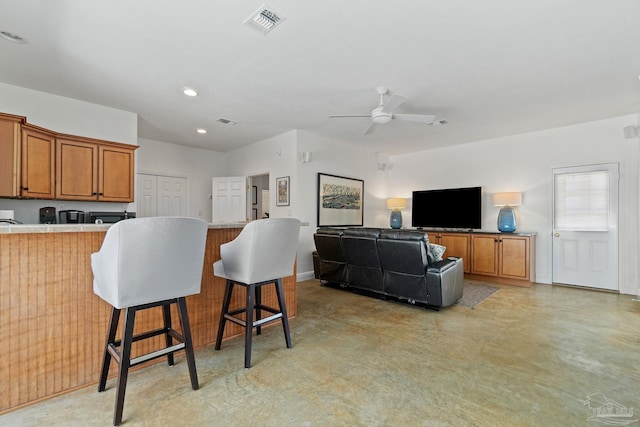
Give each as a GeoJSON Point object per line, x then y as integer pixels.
{"type": "Point", "coordinates": [507, 258]}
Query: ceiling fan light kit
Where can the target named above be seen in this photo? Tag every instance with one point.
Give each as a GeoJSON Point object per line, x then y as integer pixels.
{"type": "Point", "coordinates": [383, 113]}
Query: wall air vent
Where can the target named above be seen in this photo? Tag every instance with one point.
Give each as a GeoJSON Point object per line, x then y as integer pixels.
{"type": "Point", "coordinates": [264, 19]}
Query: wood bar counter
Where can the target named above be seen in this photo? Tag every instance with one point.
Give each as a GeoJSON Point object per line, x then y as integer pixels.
{"type": "Point", "coordinates": [52, 326]}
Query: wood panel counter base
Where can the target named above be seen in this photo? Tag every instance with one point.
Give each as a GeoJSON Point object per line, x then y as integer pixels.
{"type": "Point", "coordinates": [53, 326]}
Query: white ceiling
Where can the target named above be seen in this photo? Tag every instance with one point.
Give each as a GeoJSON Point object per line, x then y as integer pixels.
{"type": "Point", "coordinates": [490, 68]}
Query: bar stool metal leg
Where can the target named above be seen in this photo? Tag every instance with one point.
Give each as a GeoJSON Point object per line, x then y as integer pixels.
{"type": "Point", "coordinates": [248, 330]}
{"type": "Point", "coordinates": [283, 310]}
{"type": "Point", "coordinates": [225, 309]}
{"type": "Point", "coordinates": [106, 359]}
{"type": "Point", "coordinates": [125, 360]}
{"type": "Point", "coordinates": [188, 343]}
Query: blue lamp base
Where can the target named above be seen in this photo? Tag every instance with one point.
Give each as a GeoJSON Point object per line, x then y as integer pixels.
{"type": "Point", "coordinates": [396, 219]}
{"type": "Point", "coordinates": [507, 220]}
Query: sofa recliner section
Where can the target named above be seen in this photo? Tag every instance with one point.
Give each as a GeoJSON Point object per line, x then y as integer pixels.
{"type": "Point", "coordinates": [361, 253]}
{"type": "Point", "coordinates": [394, 263]}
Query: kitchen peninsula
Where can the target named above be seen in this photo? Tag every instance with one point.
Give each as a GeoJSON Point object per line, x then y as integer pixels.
{"type": "Point", "coordinates": [52, 325]}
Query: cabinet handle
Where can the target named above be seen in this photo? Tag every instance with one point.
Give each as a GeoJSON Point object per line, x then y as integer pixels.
{"type": "Point", "coordinates": [94, 193]}
{"type": "Point", "coordinates": [25, 188]}
{"type": "Point", "coordinates": [100, 194]}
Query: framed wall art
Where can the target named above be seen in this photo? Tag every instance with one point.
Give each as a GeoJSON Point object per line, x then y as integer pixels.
{"type": "Point", "coordinates": [283, 194]}
{"type": "Point", "coordinates": [339, 200]}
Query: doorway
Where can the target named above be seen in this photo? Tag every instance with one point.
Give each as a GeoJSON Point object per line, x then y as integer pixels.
{"type": "Point", "coordinates": [259, 185]}
{"type": "Point", "coordinates": [585, 226]}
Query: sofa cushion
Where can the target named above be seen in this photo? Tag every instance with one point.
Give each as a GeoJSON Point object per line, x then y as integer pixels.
{"type": "Point", "coordinates": [330, 231]}
{"type": "Point", "coordinates": [362, 232]}
{"type": "Point", "coordinates": [437, 251]}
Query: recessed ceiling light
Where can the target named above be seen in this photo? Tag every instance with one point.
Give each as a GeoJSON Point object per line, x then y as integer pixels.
{"type": "Point", "coordinates": [201, 131]}
{"type": "Point", "coordinates": [12, 37]}
{"type": "Point", "coordinates": [189, 92]}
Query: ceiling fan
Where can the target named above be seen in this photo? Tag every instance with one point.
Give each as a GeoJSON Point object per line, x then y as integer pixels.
{"type": "Point", "coordinates": [383, 113]}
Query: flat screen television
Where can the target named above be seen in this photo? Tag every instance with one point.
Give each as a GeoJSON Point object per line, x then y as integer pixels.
{"type": "Point", "coordinates": [447, 208]}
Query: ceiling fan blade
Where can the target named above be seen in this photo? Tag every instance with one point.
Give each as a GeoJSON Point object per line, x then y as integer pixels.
{"type": "Point", "coordinates": [370, 129]}
{"type": "Point", "coordinates": [353, 115]}
{"type": "Point", "coordinates": [421, 118]}
{"type": "Point", "coordinates": [393, 103]}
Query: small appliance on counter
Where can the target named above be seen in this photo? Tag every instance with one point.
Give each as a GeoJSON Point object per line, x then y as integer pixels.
{"type": "Point", "coordinates": [48, 215]}
{"type": "Point", "coordinates": [7, 217]}
{"type": "Point", "coordinates": [71, 217]}
{"type": "Point", "coordinates": [107, 217]}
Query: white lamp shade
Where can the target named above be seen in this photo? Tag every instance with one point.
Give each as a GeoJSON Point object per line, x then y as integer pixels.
{"type": "Point", "coordinates": [396, 203]}
{"type": "Point", "coordinates": [507, 199]}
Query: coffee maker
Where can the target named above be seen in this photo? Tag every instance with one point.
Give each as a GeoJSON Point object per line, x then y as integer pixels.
{"type": "Point", "coordinates": [48, 215]}
{"type": "Point", "coordinates": [71, 217]}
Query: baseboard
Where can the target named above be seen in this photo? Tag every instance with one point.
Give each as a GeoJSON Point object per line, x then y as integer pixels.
{"type": "Point", "coordinates": [307, 275]}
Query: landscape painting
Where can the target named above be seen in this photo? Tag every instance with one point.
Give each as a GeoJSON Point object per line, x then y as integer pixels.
{"type": "Point", "coordinates": [339, 200]}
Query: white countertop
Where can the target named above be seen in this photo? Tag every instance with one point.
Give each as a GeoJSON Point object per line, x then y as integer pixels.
{"type": "Point", "coordinates": [6, 228]}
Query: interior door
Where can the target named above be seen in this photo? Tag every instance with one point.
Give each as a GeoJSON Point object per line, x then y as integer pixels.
{"type": "Point", "coordinates": [146, 195]}
{"type": "Point", "coordinates": [172, 196]}
{"type": "Point", "coordinates": [159, 195]}
{"type": "Point", "coordinates": [229, 199]}
{"type": "Point", "coordinates": [585, 226]}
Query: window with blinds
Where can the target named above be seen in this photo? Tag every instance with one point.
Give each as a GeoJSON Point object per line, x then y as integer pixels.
{"type": "Point", "coordinates": [582, 201]}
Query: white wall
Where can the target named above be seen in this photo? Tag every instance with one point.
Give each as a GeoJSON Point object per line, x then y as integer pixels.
{"type": "Point", "coordinates": [70, 116]}
{"type": "Point", "coordinates": [335, 158]}
{"type": "Point", "coordinates": [279, 156]}
{"type": "Point", "coordinates": [524, 163]}
{"type": "Point", "coordinates": [195, 164]}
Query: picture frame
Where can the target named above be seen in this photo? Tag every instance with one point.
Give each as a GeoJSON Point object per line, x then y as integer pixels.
{"type": "Point", "coordinates": [254, 195]}
{"type": "Point", "coordinates": [283, 196]}
{"type": "Point", "coordinates": [340, 201]}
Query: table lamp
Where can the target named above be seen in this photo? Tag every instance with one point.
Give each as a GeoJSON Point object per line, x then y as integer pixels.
{"type": "Point", "coordinates": [396, 204]}
{"type": "Point", "coordinates": [507, 215]}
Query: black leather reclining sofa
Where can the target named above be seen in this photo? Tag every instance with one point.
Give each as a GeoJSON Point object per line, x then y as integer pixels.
{"type": "Point", "coordinates": [387, 263]}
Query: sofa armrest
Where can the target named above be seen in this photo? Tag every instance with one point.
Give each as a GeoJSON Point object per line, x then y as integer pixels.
{"type": "Point", "coordinates": [445, 281]}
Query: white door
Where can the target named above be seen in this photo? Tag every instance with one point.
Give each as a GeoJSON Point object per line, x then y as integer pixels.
{"type": "Point", "coordinates": [229, 199]}
{"type": "Point", "coordinates": [160, 195]}
{"type": "Point", "coordinates": [585, 226]}
{"type": "Point", "coordinates": [172, 196]}
{"type": "Point", "coordinates": [146, 195]}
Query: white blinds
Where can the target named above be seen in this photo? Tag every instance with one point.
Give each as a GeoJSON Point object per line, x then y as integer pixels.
{"type": "Point", "coordinates": [582, 201]}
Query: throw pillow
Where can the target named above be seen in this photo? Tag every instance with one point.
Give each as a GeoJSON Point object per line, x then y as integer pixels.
{"type": "Point", "coordinates": [437, 251]}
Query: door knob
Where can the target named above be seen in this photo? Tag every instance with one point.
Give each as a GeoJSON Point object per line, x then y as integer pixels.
{"type": "Point", "coordinates": [556, 234]}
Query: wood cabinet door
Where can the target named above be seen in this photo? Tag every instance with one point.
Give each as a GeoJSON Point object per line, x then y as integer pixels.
{"type": "Point", "coordinates": [76, 170]}
{"type": "Point", "coordinates": [116, 167]}
{"type": "Point", "coordinates": [38, 164]}
{"type": "Point", "coordinates": [514, 257]}
{"type": "Point", "coordinates": [433, 238]}
{"type": "Point", "coordinates": [458, 245]}
{"type": "Point", "coordinates": [9, 155]}
{"type": "Point", "coordinates": [484, 253]}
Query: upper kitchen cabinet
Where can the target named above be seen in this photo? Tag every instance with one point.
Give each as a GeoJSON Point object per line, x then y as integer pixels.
{"type": "Point", "coordinates": [38, 163]}
{"type": "Point", "coordinates": [10, 138]}
{"type": "Point", "coordinates": [94, 170]}
{"type": "Point", "coordinates": [27, 159]}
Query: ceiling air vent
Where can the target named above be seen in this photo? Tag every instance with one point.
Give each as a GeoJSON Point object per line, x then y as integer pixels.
{"type": "Point", "coordinates": [226, 121]}
{"type": "Point", "coordinates": [264, 19]}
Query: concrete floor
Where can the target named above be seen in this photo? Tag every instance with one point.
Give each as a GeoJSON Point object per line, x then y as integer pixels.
{"type": "Point", "coordinates": [525, 356]}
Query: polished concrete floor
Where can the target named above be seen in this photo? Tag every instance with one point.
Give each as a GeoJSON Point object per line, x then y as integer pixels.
{"type": "Point", "coordinates": [525, 356]}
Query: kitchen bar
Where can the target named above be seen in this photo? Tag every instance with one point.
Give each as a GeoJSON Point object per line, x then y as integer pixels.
{"type": "Point", "coordinates": [52, 326]}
